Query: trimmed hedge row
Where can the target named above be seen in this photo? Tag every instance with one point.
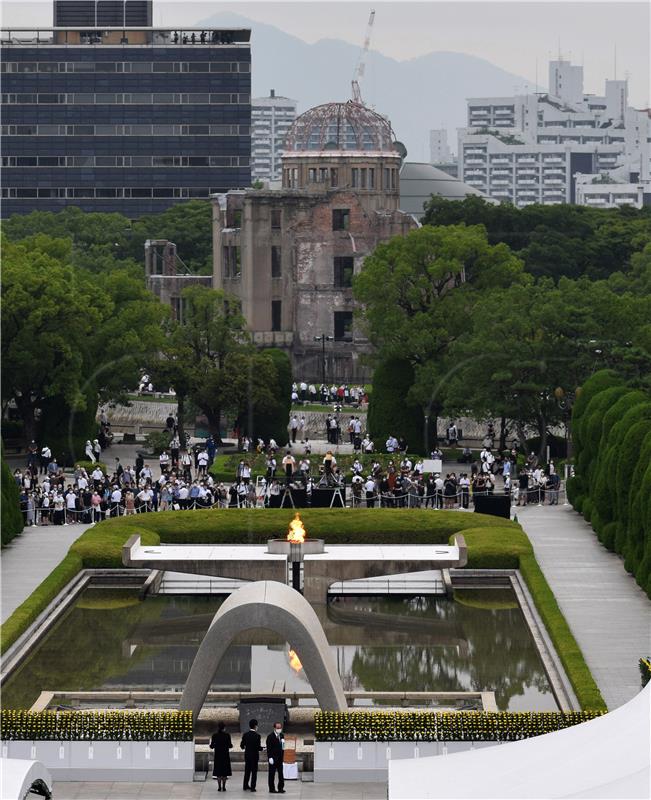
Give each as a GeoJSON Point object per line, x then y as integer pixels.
{"type": "Point", "coordinates": [437, 726]}
{"type": "Point", "coordinates": [612, 488]}
{"type": "Point", "coordinates": [97, 726]}
{"type": "Point", "coordinates": [493, 543]}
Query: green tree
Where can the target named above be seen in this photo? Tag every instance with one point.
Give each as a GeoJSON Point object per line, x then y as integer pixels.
{"type": "Point", "coordinates": [188, 225]}
{"type": "Point", "coordinates": [70, 337]}
{"type": "Point", "coordinates": [418, 294]}
{"type": "Point", "coordinates": [47, 323]}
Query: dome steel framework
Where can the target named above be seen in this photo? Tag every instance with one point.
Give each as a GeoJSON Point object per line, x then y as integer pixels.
{"type": "Point", "coordinates": [340, 127]}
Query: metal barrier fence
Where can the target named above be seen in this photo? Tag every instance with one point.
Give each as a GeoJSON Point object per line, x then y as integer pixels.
{"type": "Point", "coordinates": [436, 502]}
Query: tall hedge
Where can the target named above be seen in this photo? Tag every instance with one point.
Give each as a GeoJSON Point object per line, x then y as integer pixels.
{"type": "Point", "coordinates": [274, 424]}
{"type": "Point", "coordinates": [65, 430]}
{"type": "Point", "coordinates": [12, 519]}
{"type": "Point", "coordinates": [612, 438]}
{"type": "Point", "coordinates": [389, 413]}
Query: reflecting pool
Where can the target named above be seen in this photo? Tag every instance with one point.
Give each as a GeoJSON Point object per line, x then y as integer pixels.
{"type": "Point", "coordinates": [110, 640]}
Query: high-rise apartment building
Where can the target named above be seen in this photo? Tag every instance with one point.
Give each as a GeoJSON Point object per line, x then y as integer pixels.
{"type": "Point", "coordinates": [271, 119]}
{"type": "Point", "coordinates": [439, 150]}
{"type": "Point", "coordinates": [537, 148]}
{"type": "Point", "coordinates": [127, 118]}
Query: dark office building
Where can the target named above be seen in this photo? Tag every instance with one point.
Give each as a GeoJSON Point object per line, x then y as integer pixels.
{"type": "Point", "coordinates": [125, 118]}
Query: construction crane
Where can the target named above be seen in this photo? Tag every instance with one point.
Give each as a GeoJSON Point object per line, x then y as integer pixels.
{"type": "Point", "coordinates": [358, 74]}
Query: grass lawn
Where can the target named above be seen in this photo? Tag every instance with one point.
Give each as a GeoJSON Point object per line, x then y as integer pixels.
{"type": "Point", "coordinates": [493, 543]}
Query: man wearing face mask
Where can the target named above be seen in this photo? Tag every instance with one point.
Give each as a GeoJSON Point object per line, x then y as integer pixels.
{"type": "Point", "coordinates": [275, 747]}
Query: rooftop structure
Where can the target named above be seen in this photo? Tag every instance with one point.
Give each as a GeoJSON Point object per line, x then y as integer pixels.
{"type": "Point", "coordinates": [340, 127]}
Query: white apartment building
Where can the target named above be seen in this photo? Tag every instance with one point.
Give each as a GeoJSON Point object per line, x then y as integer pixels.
{"type": "Point", "coordinates": [531, 148]}
{"type": "Point", "coordinates": [439, 149]}
{"type": "Point", "coordinates": [271, 118]}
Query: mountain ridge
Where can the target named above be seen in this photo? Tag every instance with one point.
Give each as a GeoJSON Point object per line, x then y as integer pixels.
{"type": "Point", "coordinates": [417, 94]}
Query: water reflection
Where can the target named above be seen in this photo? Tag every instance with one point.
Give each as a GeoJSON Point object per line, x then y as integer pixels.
{"type": "Point", "coordinates": [111, 640]}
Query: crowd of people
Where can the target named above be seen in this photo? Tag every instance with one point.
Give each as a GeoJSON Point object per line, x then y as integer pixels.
{"type": "Point", "coordinates": [341, 395]}
{"type": "Point", "coordinates": [50, 496]}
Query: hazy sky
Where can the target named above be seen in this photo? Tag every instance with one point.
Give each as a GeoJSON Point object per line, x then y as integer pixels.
{"type": "Point", "coordinates": [512, 35]}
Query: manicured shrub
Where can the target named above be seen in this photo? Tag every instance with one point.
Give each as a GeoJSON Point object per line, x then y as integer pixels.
{"type": "Point", "coordinates": [613, 481]}
{"type": "Point", "coordinates": [12, 518]}
{"type": "Point", "coordinates": [613, 429]}
{"type": "Point", "coordinates": [389, 412]}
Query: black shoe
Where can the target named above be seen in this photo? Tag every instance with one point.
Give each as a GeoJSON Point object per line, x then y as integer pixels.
{"type": "Point", "coordinates": [246, 789]}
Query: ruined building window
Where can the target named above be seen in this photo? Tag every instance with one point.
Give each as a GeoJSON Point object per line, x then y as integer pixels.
{"type": "Point", "coordinates": [231, 261]}
{"type": "Point", "coordinates": [276, 314]}
{"type": "Point", "coordinates": [323, 174]}
{"type": "Point", "coordinates": [354, 177]}
{"type": "Point", "coordinates": [275, 219]}
{"type": "Point", "coordinates": [276, 261]}
{"type": "Point", "coordinates": [334, 177]}
{"type": "Point", "coordinates": [387, 182]}
{"type": "Point", "coordinates": [311, 175]}
{"type": "Point", "coordinates": [340, 219]}
{"type": "Point", "coordinates": [371, 178]}
{"type": "Point", "coordinates": [343, 272]}
{"type": "Point", "coordinates": [343, 326]}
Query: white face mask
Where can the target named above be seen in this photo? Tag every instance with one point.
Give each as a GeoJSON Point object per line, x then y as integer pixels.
{"type": "Point", "coordinates": [278, 731]}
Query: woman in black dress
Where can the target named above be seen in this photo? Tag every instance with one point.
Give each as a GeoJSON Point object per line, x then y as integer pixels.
{"type": "Point", "coordinates": [221, 744]}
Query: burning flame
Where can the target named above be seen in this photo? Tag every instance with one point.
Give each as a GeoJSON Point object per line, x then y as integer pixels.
{"type": "Point", "coordinates": [297, 532]}
{"type": "Point", "coordinates": [294, 661]}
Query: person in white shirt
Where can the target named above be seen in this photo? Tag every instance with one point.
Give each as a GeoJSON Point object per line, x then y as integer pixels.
{"type": "Point", "coordinates": [289, 465]}
{"type": "Point", "coordinates": [46, 455]}
{"type": "Point", "coordinates": [89, 451]}
{"type": "Point", "coordinates": [202, 460]}
{"type": "Point", "coordinates": [439, 483]}
{"type": "Point", "coordinates": [145, 496]}
{"type": "Point", "coordinates": [164, 461]}
{"type": "Point", "coordinates": [71, 506]}
{"type": "Point", "coordinates": [301, 428]}
{"type": "Point", "coordinates": [303, 391]}
{"type": "Point", "coordinates": [369, 488]}
{"type": "Point", "coordinates": [391, 443]}
{"type": "Point", "coordinates": [293, 426]}
{"type": "Point", "coordinates": [116, 499]}
{"type": "Point", "coordinates": [245, 472]}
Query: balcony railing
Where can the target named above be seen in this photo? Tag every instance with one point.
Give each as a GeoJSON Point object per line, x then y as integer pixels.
{"type": "Point", "coordinates": [93, 35]}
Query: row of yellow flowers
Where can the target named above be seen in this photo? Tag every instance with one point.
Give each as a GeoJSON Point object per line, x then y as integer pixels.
{"type": "Point", "coordinates": [122, 726]}
{"type": "Point", "coordinates": [433, 726]}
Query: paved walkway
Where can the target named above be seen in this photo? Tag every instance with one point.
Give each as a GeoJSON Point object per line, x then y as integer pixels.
{"type": "Point", "coordinates": [610, 616]}
{"type": "Point", "coordinates": [200, 791]}
{"type": "Point", "coordinates": [29, 558]}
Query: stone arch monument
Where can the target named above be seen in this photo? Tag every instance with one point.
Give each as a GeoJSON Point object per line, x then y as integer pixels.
{"type": "Point", "coordinates": [273, 606]}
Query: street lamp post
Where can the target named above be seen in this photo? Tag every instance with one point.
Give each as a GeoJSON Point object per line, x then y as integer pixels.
{"type": "Point", "coordinates": [323, 339]}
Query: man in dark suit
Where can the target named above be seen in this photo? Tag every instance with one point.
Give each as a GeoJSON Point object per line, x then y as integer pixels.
{"type": "Point", "coordinates": [275, 747]}
{"type": "Point", "coordinates": [251, 744]}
